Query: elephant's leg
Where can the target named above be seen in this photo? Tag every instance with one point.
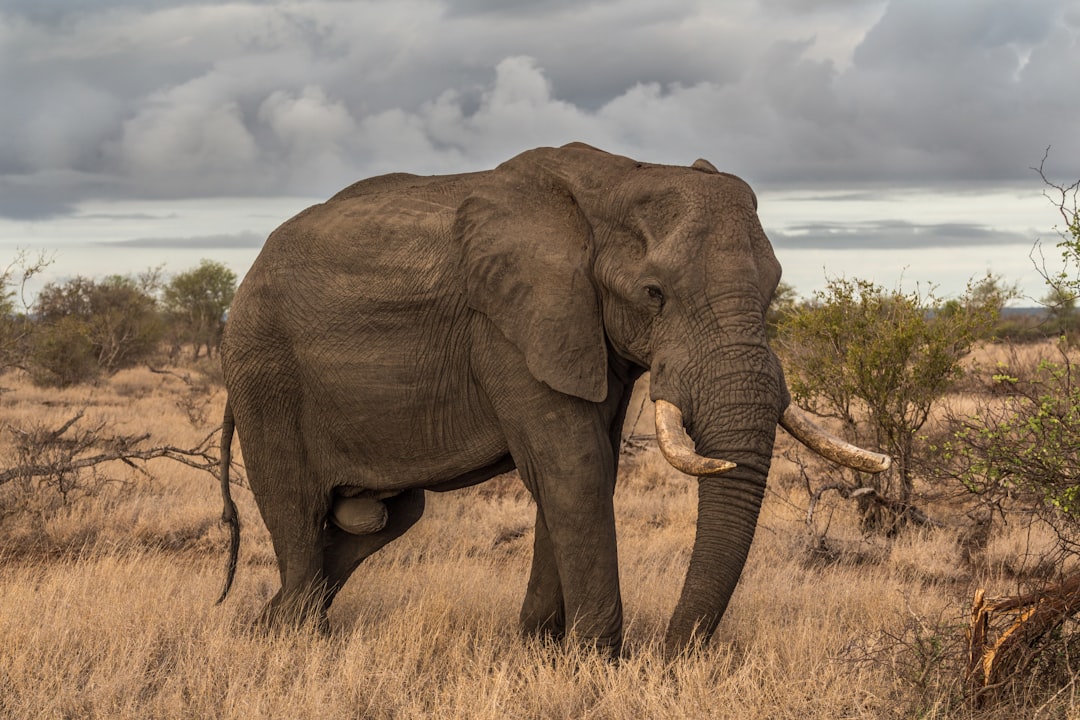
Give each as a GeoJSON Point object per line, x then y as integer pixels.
{"type": "Point", "coordinates": [297, 529]}
{"type": "Point", "coordinates": [267, 405]}
{"type": "Point", "coordinates": [580, 521]}
{"type": "Point", "coordinates": [563, 451]}
{"type": "Point", "coordinates": [562, 447]}
{"type": "Point", "coordinates": [543, 612]}
{"type": "Point", "coordinates": [345, 551]}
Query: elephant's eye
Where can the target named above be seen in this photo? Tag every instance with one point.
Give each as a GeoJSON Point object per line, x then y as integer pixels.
{"type": "Point", "coordinates": [655, 294]}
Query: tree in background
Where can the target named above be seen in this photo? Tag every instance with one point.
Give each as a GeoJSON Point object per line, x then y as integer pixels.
{"type": "Point", "coordinates": [11, 326]}
{"type": "Point", "coordinates": [196, 302]}
{"type": "Point", "coordinates": [1060, 304]}
{"type": "Point", "coordinates": [85, 327]}
{"type": "Point", "coordinates": [782, 304]}
{"type": "Point", "coordinates": [990, 293]}
{"type": "Point", "coordinates": [878, 361]}
{"type": "Point", "coordinates": [15, 325]}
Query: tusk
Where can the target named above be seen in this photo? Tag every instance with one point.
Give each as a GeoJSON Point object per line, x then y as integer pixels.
{"type": "Point", "coordinates": [678, 448]}
{"type": "Point", "coordinates": [813, 436]}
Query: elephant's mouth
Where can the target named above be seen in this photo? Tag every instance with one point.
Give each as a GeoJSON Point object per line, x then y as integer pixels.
{"type": "Point", "coordinates": [679, 449]}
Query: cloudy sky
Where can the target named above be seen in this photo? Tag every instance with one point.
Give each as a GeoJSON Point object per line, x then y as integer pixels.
{"type": "Point", "coordinates": [887, 139]}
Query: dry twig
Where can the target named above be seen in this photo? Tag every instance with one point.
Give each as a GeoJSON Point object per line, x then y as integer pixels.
{"type": "Point", "coordinates": [65, 455]}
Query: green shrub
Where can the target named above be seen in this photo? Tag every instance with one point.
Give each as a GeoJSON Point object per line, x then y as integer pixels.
{"type": "Point", "coordinates": [879, 360]}
{"type": "Point", "coordinates": [62, 353]}
{"type": "Point", "coordinates": [85, 327]}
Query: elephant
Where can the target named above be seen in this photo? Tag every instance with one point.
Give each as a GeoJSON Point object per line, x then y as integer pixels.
{"type": "Point", "coordinates": [426, 333]}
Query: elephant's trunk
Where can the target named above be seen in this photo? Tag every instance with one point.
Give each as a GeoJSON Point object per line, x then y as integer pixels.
{"type": "Point", "coordinates": [732, 416]}
{"type": "Point", "coordinates": [741, 428]}
{"type": "Point", "coordinates": [727, 516]}
{"type": "Point", "coordinates": [728, 509]}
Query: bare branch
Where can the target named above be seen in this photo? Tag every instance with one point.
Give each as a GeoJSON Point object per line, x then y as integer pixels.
{"type": "Point", "coordinates": [1059, 195]}
{"type": "Point", "coordinates": [65, 454]}
{"type": "Point", "coordinates": [67, 426]}
{"type": "Point", "coordinates": [844, 490]}
{"type": "Point", "coordinates": [43, 470]}
{"type": "Point", "coordinates": [906, 512]}
{"type": "Point", "coordinates": [1066, 200]}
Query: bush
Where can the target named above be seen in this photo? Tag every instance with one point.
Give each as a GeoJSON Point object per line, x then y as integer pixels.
{"type": "Point", "coordinates": [15, 323]}
{"type": "Point", "coordinates": [1023, 447]}
{"type": "Point", "coordinates": [86, 327]}
{"type": "Point", "coordinates": [62, 354]}
{"type": "Point", "coordinates": [879, 360]}
{"type": "Point", "coordinates": [1018, 450]}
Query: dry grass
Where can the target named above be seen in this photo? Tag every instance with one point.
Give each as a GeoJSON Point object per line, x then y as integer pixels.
{"type": "Point", "coordinates": [106, 605]}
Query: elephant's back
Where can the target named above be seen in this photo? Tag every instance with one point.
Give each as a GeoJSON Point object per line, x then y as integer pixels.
{"type": "Point", "coordinates": [397, 213]}
{"type": "Point", "coordinates": [394, 183]}
{"type": "Point", "coordinates": [377, 255]}
{"type": "Point", "coordinates": [358, 302]}
{"type": "Point", "coordinates": [376, 260]}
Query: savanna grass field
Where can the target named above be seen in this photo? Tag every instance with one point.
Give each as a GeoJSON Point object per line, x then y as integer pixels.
{"type": "Point", "coordinates": [107, 594]}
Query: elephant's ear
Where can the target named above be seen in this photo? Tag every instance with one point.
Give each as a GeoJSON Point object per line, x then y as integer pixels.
{"type": "Point", "coordinates": [526, 261]}
{"type": "Point", "coordinates": [705, 166]}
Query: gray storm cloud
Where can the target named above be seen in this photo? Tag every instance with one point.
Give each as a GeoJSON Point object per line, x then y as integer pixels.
{"type": "Point", "coordinates": [167, 99]}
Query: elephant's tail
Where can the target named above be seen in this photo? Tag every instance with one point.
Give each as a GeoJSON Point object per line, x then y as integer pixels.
{"type": "Point", "coordinates": [229, 516]}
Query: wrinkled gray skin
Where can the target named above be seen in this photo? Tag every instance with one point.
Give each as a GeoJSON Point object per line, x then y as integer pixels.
{"type": "Point", "coordinates": [427, 333]}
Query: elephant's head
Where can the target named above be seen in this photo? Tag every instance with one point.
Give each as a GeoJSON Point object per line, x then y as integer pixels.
{"type": "Point", "coordinates": [576, 254]}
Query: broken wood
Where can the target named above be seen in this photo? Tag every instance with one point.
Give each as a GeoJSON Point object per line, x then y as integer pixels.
{"type": "Point", "coordinates": [1006, 635]}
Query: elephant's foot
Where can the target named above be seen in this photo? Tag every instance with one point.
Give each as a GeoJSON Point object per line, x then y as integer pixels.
{"type": "Point", "coordinates": [551, 629]}
{"type": "Point", "coordinates": [557, 637]}
{"type": "Point", "coordinates": [549, 632]}
{"type": "Point", "coordinates": [359, 515]}
{"type": "Point", "coordinates": [305, 610]}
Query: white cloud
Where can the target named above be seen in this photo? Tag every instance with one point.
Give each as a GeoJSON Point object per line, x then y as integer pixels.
{"type": "Point", "coordinates": [315, 136]}
{"type": "Point", "coordinates": [183, 136]}
{"type": "Point", "coordinates": [169, 98]}
{"type": "Point", "coordinates": [518, 111]}
{"type": "Point", "coordinates": [307, 121]}
{"type": "Point", "coordinates": [515, 112]}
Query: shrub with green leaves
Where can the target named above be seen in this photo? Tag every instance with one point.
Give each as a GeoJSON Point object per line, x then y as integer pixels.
{"type": "Point", "coordinates": [62, 353]}
{"type": "Point", "coordinates": [1021, 446]}
{"type": "Point", "coordinates": [878, 360]}
{"type": "Point", "coordinates": [84, 327]}
{"type": "Point", "coordinates": [9, 322]}
{"type": "Point", "coordinates": [14, 321]}
{"type": "Point", "coordinates": [1024, 447]}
